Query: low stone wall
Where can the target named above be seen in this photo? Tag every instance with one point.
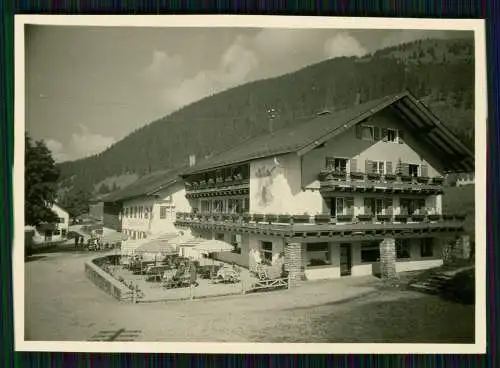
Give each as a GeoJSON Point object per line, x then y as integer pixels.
{"type": "Point", "coordinates": [106, 282]}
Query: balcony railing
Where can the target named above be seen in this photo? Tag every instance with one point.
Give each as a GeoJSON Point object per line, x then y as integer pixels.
{"type": "Point", "coordinates": [323, 225]}
{"type": "Point", "coordinates": [201, 188]}
{"type": "Point", "coordinates": [331, 180]}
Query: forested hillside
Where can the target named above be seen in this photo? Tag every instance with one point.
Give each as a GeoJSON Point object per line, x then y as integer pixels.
{"type": "Point", "coordinates": [440, 72]}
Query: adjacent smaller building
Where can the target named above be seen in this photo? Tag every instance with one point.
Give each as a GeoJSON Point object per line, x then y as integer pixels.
{"type": "Point", "coordinates": [50, 232]}
{"type": "Point", "coordinates": [149, 206]}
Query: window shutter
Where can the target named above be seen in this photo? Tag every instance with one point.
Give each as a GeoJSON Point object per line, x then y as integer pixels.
{"type": "Point", "coordinates": [374, 167]}
{"type": "Point", "coordinates": [350, 205]}
{"type": "Point", "coordinates": [359, 133]}
{"type": "Point", "coordinates": [388, 206]}
{"type": "Point", "coordinates": [369, 167]}
{"type": "Point", "coordinates": [423, 170]}
{"type": "Point", "coordinates": [384, 134]}
{"type": "Point", "coordinates": [406, 169]}
{"type": "Point", "coordinates": [354, 165]}
{"type": "Point", "coordinates": [401, 136]}
{"type": "Point", "coordinates": [388, 167]}
{"type": "Point", "coordinates": [376, 133]}
{"type": "Point", "coordinates": [368, 206]}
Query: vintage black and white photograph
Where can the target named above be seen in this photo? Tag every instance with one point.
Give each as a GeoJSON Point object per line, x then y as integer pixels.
{"type": "Point", "coordinates": [254, 183]}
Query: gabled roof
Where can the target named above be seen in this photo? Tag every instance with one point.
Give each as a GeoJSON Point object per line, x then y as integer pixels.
{"type": "Point", "coordinates": [305, 137]}
{"type": "Point", "coordinates": [145, 186]}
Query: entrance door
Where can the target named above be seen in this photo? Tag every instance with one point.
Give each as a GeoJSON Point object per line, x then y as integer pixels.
{"type": "Point", "coordinates": [345, 260]}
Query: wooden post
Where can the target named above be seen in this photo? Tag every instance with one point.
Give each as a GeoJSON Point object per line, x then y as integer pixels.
{"type": "Point", "coordinates": [243, 287]}
{"type": "Point", "coordinates": [191, 291]}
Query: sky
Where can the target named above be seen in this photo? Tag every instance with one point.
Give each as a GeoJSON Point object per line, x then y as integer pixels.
{"type": "Point", "coordinates": [89, 87]}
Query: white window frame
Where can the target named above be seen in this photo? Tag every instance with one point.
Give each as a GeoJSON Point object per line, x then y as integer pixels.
{"type": "Point", "coordinates": [265, 252]}
{"type": "Point", "coordinates": [380, 165]}
{"type": "Point", "coordinates": [396, 135]}
{"type": "Point", "coordinates": [372, 131]}
{"type": "Point", "coordinates": [337, 163]}
{"type": "Point", "coordinates": [419, 170]}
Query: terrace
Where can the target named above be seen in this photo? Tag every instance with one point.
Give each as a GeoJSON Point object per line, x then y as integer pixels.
{"type": "Point", "coordinates": [227, 181]}
{"type": "Point", "coordinates": [323, 227]}
{"type": "Point", "coordinates": [334, 180]}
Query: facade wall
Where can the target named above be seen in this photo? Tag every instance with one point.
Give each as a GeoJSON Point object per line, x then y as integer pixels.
{"type": "Point", "coordinates": [160, 214]}
{"type": "Point", "coordinates": [60, 230]}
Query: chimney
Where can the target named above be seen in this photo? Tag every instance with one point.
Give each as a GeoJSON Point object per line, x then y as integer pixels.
{"type": "Point", "coordinates": [192, 160]}
{"type": "Point", "coordinates": [358, 99]}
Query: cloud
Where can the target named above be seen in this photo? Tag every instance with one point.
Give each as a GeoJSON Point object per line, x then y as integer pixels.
{"type": "Point", "coordinates": [163, 67]}
{"type": "Point", "coordinates": [81, 144]}
{"type": "Point", "coordinates": [343, 44]}
{"type": "Point", "coordinates": [235, 65]}
{"type": "Point", "coordinates": [57, 150]}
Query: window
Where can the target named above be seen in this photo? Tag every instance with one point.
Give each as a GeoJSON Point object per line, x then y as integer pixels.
{"type": "Point", "coordinates": [379, 167]}
{"type": "Point", "coordinates": [370, 252]}
{"type": "Point", "coordinates": [57, 232]}
{"type": "Point", "coordinates": [367, 133]}
{"type": "Point", "coordinates": [206, 206]}
{"type": "Point", "coordinates": [61, 220]}
{"type": "Point", "coordinates": [413, 170]}
{"type": "Point", "coordinates": [163, 212]}
{"type": "Point", "coordinates": [375, 206]}
{"type": "Point", "coordinates": [236, 243]}
{"type": "Point", "coordinates": [342, 206]}
{"type": "Point", "coordinates": [337, 164]}
{"type": "Point", "coordinates": [392, 135]}
{"type": "Point", "coordinates": [218, 206]}
{"type": "Point", "coordinates": [411, 206]}
{"type": "Point", "coordinates": [318, 254]}
{"type": "Point", "coordinates": [267, 252]}
{"type": "Point", "coordinates": [426, 247]}
{"type": "Point", "coordinates": [402, 248]}
{"type": "Point", "coordinates": [219, 236]}
{"type": "Point", "coordinates": [236, 205]}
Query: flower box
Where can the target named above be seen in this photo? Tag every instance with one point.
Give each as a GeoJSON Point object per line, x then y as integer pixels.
{"type": "Point", "coordinates": [270, 218]}
{"type": "Point", "coordinates": [322, 176]}
{"type": "Point", "coordinates": [448, 217]}
{"type": "Point", "coordinates": [405, 178]}
{"type": "Point", "coordinates": [423, 179]}
{"type": "Point", "coordinates": [384, 218]}
{"type": "Point", "coordinates": [438, 180]}
{"type": "Point", "coordinates": [226, 216]}
{"type": "Point", "coordinates": [434, 217]}
{"type": "Point", "coordinates": [301, 219]}
{"type": "Point", "coordinates": [258, 217]}
{"type": "Point", "coordinates": [357, 175]}
{"type": "Point", "coordinates": [390, 177]}
{"type": "Point", "coordinates": [284, 219]}
{"type": "Point", "coordinates": [235, 217]}
{"type": "Point", "coordinates": [401, 218]}
{"type": "Point", "coordinates": [373, 176]}
{"type": "Point", "coordinates": [365, 217]}
{"type": "Point", "coordinates": [338, 174]}
{"type": "Point", "coordinates": [417, 217]}
{"type": "Point", "coordinates": [247, 217]}
{"type": "Point", "coordinates": [344, 218]}
{"type": "Point", "coordinates": [322, 218]}
{"type": "Point", "coordinates": [460, 216]}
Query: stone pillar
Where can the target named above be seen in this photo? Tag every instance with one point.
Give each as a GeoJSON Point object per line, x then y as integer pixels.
{"type": "Point", "coordinates": [463, 247]}
{"type": "Point", "coordinates": [293, 263]}
{"type": "Point", "coordinates": [388, 259]}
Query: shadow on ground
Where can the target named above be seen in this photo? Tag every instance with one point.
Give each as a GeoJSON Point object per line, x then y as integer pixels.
{"type": "Point", "coordinates": [383, 316]}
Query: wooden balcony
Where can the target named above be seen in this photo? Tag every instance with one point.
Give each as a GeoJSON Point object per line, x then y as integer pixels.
{"type": "Point", "coordinates": [221, 187]}
{"type": "Point", "coordinates": [332, 181]}
{"type": "Point", "coordinates": [323, 227]}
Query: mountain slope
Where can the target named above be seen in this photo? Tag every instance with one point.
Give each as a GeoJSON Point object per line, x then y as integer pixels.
{"type": "Point", "coordinates": [440, 72]}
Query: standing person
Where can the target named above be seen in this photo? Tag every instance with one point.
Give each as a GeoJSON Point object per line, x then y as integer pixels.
{"type": "Point", "coordinates": [76, 241]}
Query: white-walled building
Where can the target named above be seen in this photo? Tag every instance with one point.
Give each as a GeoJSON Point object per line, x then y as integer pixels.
{"type": "Point", "coordinates": [149, 206]}
{"type": "Point", "coordinates": [345, 193]}
{"type": "Point", "coordinates": [51, 232]}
